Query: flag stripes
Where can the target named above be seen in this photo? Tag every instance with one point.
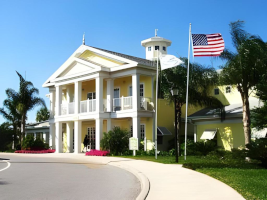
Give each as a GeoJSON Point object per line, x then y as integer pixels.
{"type": "Point", "coordinates": [207, 44]}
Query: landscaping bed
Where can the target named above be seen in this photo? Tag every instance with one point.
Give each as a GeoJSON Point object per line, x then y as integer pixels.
{"type": "Point", "coordinates": [36, 151]}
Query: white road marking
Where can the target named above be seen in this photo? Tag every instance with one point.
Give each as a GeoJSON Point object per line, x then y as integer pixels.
{"type": "Point", "coordinates": [8, 165]}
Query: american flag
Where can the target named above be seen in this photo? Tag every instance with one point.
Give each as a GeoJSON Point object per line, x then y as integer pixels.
{"type": "Point", "coordinates": [207, 44]}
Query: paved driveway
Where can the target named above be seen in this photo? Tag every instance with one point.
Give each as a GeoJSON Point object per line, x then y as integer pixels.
{"type": "Point", "coordinates": [31, 177]}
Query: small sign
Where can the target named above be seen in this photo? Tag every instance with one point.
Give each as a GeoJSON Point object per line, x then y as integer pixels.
{"type": "Point", "coordinates": [133, 143]}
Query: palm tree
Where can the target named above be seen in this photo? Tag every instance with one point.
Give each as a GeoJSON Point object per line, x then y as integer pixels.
{"type": "Point", "coordinates": [27, 100]}
{"type": "Point", "coordinates": [244, 68]}
{"type": "Point", "coordinates": [42, 114]}
{"type": "Point", "coordinates": [11, 114]}
{"type": "Point", "coordinates": [201, 79]}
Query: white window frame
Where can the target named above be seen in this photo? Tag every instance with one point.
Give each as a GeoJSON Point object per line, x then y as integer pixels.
{"type": "Point", "coordinates": [92, 95]}
{"type": "Point", "coordinates": [149, 48]}
{"type": "Point", "coordinates": [143, 89]}
{"type": "Point", "coordinates": [164, 48]}
{"type": "Point", "coordinates": [144, 132]}
{"type": "Point", "coordinates": [218, 90]}
{"type": "Point", "coordinates": [119, 92]}
{"type": "Point", "coordinates": [87, 132]}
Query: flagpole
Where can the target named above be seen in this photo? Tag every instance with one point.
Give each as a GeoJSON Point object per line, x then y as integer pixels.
{"type": "Point", "coordinates": [187, 91]}
{"type": "Point", "coordinates": [156, 113]}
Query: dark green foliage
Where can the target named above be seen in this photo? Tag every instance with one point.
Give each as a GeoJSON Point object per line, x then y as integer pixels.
{"type": "Point", "coordinates": [258, 150]}
{"type": "Point", "coordinates": [30, 143]}
{"type": "Point", "coordinates": [42, 114]}
{"type": "Point", "coordinates": [116, 141]}
{"type": "Point", "coordinates": [199, 148]}
{"type": "Point", "coordinates": [6, 137]}
{"type": "Point", "coordinates": [244, 68]}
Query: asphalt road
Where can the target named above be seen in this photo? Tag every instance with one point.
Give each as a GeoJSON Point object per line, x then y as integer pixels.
{"type": "Point", "coordinates": [50, 178]}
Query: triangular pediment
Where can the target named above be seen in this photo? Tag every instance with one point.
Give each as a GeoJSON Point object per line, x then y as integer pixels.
{"type": "Point", "coordinates": [100, 60]}
{"type": "Point", "coordinates": [75, 68]}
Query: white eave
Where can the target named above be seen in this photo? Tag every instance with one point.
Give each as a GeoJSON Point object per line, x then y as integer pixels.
{"type": "Point", "coordinates": [155, 39]}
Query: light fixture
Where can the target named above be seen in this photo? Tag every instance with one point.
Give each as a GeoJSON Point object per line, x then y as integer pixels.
{"type": "Point", "coordinates": [174, 91]}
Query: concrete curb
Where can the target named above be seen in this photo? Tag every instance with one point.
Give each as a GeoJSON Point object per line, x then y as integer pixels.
{"type": "Point", "coordinates": [145, 184]}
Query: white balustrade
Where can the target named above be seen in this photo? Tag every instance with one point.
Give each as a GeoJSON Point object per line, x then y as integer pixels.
{"type": "Point", "coordinates": [88, 106]}
{"type": "Point", "coordinates": [67, 108]}
{"type": "Point", "coordinates": [146, 103]}
{"type": "Point", "coordinates": [123, 103]}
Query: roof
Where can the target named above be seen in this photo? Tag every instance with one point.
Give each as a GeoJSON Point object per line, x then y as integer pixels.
{"type": "Point", "coordinates": [161, 131]}
{"type": "Point", "coordinates": [232, 110]}
{"type": "Point", "coordinates": [42, 124]}
{"type": "Point", "coordinates": [133, 58]}
{"type": "Point", "coordinates": [155, 39]}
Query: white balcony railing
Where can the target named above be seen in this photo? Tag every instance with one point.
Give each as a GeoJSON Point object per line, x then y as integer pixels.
{"type": "Point", "coordinates": [88, 106]}
{"type": "Point", "coordinates": [67, 108]}
{"type": "Point", "coordinates": [147, 104]}
{"type": "Point", "coordinates": [126, 103]}
{"type": "Point", "coordinates": [123, 103]}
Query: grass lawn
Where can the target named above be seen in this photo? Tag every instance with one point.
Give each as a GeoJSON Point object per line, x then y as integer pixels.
{"type": "Point", "coordinates": [249, 179]}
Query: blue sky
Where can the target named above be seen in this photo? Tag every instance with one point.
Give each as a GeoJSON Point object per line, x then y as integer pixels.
{"type": "Point", "coordinates": [36, 37]}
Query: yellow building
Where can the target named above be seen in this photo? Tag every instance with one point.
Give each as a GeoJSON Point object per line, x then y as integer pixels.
{"type": "Point", "coordinates": [96, 89]}
{"type": "Point", "coordinates": [227, 129]}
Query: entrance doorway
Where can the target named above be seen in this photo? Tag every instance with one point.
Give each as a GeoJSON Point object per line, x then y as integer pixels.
{"type": "Point", "coordinates": [91, 137]}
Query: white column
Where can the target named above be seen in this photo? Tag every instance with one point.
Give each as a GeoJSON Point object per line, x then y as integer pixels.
{"type": "Point", "coordinates": [110, 94]}
{"type": "Point", "coordinates": [77, 136]}
{"type": "Point", "coordinates": [34, 135]}
{"type": "Point", "coordinates": [136, 128]}
{"type": "Point", "coordinates": [99, 94]}
{"type": "Point", "coordinates": [58, 137]}
{"type": "Point", "coordinates": [78, 96]}
{"type": "Point", "coordinates": [52, 135]}
{"type": "Point", "coordinates": [69, 127]}
{"type": "Point", "coordinates": [99, 132]}
{"type": "Point", "coordinates": [58, 100]}
{"type": "Point", "coordinates": [44, 136]}
{"type": "Point", "coordinates": [195, 133]}
{"type": "Point", "coordinates": [52, 103]}
{"type": "Point", "coordinates": [109, 126]}
{"type": "Point", "coordinates": [136, 91]}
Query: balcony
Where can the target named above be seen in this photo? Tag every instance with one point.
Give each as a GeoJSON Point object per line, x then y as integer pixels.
{"type": "Point", "coordinates": [67, 108]}
{"type": "Point", "coordinates": [126, 103]}
{"type": "Point", "coordinates": [88, 106]}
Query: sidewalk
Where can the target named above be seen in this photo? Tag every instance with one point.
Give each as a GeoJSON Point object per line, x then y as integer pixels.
{"type": "Point", "coordinates": [161, 181]}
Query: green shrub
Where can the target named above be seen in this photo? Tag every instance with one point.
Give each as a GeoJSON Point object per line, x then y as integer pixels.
{"type": "Point", "coordinates": [201, 148]}
{"type": "Point", "coordinates": [258, 150]}
{"type": "Point", "coordinates": [116, 141]}
{"type": "Point", "coordinates": [37, 144]}
{"type": "Point", "coordinates": [28, 142]}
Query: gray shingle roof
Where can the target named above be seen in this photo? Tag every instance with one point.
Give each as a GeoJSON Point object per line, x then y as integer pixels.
{"type": "Point", "coordinates": [136, 59]}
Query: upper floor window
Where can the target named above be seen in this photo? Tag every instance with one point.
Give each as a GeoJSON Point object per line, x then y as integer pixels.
{"type": "Point", "coordinates": [149, 48]}
{"type": "Point", "coordinates": [91, 95]}
{"type": "Point", "coordinates": [164, 48]}
{"type": "Point", "coordinates": [216, 91]}
{"type": "Point", "coordinates": [156, 47]}
{"type": "Point", "coordinates": [141, 90]}
{"type": "Point", "coordinates": [228, 89]}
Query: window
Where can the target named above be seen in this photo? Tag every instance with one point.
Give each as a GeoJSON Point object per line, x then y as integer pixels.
{"type": "Point", "coordinates": [91, 95]}
{"type": "Point", "coordinates": [130, 91]}
{"type": "Point", "coordinates": [216, 91]}
{"type": "Point", "coordinates": [116, 92]}
{"type": "Point", "coordinates": [141, 90]}
{"type": "Point", "coordinates": [228, 89]}
{"type": "Point", "coordinates": [149, 48]}
{"type": "Point", "coordinates": [156, 47]}
{"type": "Point", "coordinates": [164, 48]}
{"type": "Point", "coordinates": [142, 131]}
{"type": "Point", "coordinates": [91, 137]}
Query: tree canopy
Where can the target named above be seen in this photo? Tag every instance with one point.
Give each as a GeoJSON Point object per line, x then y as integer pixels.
{"type": "Point", "coordinates": [244, 67]}
{"type": "Point", "coordinates": [42, 114]}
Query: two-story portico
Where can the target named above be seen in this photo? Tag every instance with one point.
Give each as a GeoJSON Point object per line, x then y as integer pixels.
{"type": "Point", "coordinates": [95, 90]}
